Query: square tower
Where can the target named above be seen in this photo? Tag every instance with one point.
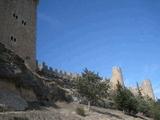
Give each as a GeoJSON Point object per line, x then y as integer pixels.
{"type": "Point", "coordinates": [116, 78]}
{"type": "Point", "coordinates": [18, 28]}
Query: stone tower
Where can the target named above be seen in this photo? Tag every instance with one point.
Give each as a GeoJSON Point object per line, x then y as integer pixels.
{"type": "Point", "coordinates": [18, 28]}
{"type": "Point", "coordinates": [146, 89]}
{"type": "Point", "coordinates": [116, 77]}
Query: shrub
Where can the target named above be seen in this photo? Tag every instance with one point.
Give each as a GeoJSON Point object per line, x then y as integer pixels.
{"type": "Point", "coordinates": [125, 100]}
{"type": "Point", "coordinates": [156, 115]}
{"type": "Point", "coordinates": [143, 106]}
{"type": "Point", "coordinates": [80, 111]}
{"type": "Point", "coordinates": [91, 87]}
{"type": "Point", "coordinates": [155, 110]}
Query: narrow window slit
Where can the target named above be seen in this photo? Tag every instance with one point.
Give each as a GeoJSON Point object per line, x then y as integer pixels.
{"type": "Point", "coordinates": [14, 15]}
{"type": "Point", "coordinates": [11, 37]}
{"type": "Point", "coordinates": [15, 40]}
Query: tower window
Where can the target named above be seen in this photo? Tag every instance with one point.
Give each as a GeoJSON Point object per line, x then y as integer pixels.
{"type": "Point", "coordinates": [14, 40]}
{"type": "Point", "coordinates": [14, 15]}
{"type": "Point", "coordinates": [11, 37]}
{"type": "Point", "coordinates": [24, 23]}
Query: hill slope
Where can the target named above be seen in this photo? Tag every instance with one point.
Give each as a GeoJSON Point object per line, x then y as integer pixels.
{"type": "Point", "coordinates": [66, 111]}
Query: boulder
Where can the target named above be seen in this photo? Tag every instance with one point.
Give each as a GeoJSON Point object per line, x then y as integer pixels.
{"type": "Point", "coordinates": [11, 101]}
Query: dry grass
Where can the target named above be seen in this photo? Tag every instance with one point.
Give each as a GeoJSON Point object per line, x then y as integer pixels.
{"type": "Point", "coordinates": [67, 112]}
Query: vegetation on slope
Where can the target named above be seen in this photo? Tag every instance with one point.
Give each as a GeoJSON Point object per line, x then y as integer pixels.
{"type": "Point", "coordinates": [91, 87]}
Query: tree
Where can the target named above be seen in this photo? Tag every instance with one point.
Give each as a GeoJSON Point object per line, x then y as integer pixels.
{"type": "Point", "coordinates": [91, 86]}
{"type": "Point", "coordinates": [143, 106]}
{"type": "Point", "coordinates": [156, 111]}
{"type": "Point", "coordinates": [125, 100]}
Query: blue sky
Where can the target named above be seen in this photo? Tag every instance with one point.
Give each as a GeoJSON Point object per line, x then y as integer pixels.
{"type": "Point", "coordinates": [100, 34]}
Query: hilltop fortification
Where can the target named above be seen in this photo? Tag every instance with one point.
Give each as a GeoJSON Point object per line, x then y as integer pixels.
{"type": "Point", "coordinates": [116, 77]}
{"type": "Point", "coordinates": [18, 28]}
{"type": "Point", "coordinates": [146, 89]}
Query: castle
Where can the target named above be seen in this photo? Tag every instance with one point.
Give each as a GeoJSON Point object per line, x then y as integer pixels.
{"type": "Point", "coordinates": [116, 77]}
{"type": "Point", "coordinates": [18, 28]}
{"type": "Point", "coordinates": [145, 88]}
{"type": "Point", "coordinates": [18, 33]}
{"type": "Point", "coordinates": [43, 67]}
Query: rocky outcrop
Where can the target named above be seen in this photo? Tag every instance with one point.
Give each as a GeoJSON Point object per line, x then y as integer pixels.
{"type": "Point", "coordinates": [18, 85]}
{"type": "Point", "coordinates": [12, 101]}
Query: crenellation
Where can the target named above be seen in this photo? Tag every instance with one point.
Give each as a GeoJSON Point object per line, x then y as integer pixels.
{"type": "Point", "coordinates": [145, 88]}
{"type": "Point", "coordinates": [57, 72]}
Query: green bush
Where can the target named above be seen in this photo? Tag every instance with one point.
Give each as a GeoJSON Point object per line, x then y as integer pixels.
{"type": "Point", "coordinates": [80, 111]}
{"type": "Point", "coordinates": [91, 86]}
{"type": "Point", "coordinates": [143, 106]}
{"type": "Point", "coordinates": [156, 115]}
{"type": "Point", "coordinates": [125, 100]}
{"type": "Point", "coordinates": [155, 110]}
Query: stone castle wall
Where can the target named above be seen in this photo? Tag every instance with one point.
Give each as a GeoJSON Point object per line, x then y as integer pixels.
{"type": "Point", "coordinates": [18, 28]}
{"type": "Point", "coordinates": [61, 73]}
{"type": "Point", "coordinates": [116, 77]}
{"type": "Point", "coordinates": [145, 88]}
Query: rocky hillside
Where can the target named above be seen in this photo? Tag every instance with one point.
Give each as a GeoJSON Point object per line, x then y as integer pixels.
{"type": "Point", "coordinates": [67, 112]}
{"type": "Point", "coordinates": [33, 96]}
{"type": "Point", "coordinates": [21, 88]}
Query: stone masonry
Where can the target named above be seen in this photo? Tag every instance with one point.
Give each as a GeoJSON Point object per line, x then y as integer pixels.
{"type": "Point", "coordinates": [116, 77]}
{"type": "Point", "coordinates": [18, 28]}
{"type": "Point", "coordinates": [145, 88]}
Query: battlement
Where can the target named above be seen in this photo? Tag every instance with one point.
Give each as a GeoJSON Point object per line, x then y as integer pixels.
{"type": "Point", "coordinates": [116, 68]}
{"type": "Point", "coordinates": [145, 88]}
{"type": "Point", "coordinates": [60, 73]}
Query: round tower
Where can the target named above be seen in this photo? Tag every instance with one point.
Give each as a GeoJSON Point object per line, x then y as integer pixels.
{"type": "Point", "coordinates": [18, 28]}
{"type": "Point", "coordinates": [117, 77]}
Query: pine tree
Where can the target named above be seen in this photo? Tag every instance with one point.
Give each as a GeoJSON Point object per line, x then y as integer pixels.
{"type": "Point", "coordinates": [125, 100]}
{"type": "Point", "coordinates": [91, 86]}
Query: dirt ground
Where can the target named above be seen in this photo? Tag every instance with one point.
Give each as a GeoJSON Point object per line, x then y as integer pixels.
{"type": "Point", "coordinates": [65, 111]}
